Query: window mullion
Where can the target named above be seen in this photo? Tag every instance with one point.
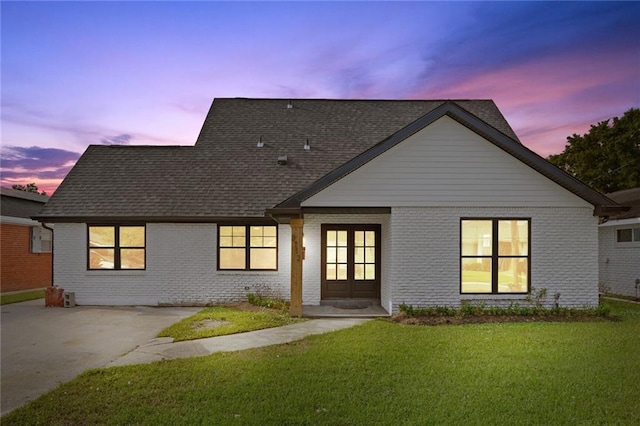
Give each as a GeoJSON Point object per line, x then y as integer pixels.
{"type": "Point", "coordinates": [247, 247]}
{"type": "Point", "coordinates": [116, 247]}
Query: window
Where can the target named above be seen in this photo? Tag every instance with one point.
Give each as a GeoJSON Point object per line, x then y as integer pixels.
{"type": "Point", "coordinates": [248, 247]}
{"type": "Point", "coordinates": [116, 247]}
{"type": "Point", "coordinates": [628, 235]}
{"type": "Point", "coordinates": [41, 240]}
{"type": "Point", "coordinates": [494, 256]}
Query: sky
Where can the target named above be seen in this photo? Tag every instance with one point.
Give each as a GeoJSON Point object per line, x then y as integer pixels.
{"type": "Point", "coordinates": [145, 73]}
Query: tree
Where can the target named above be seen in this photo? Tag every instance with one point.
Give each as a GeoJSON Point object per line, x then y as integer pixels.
{"type": "Point", "coordinates": [607, 157]}
{"type": "Point", "coordinates": [30, 187]}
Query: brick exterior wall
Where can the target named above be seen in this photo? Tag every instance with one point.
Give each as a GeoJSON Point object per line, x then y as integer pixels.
{"type": "Point", "coordinates": [420, 260]}
{"type": "Point", "coordinates": [180, 269]}
{"type": "Point", "coordinates": [425, 252]}
{"type": "Point", "coordinates": [619, 262]}
{"type": "Point", "coordinates": [21, 269]}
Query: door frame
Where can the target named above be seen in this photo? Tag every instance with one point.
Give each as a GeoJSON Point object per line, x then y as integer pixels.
{"type": "Point", "coordinates": [350, 228]}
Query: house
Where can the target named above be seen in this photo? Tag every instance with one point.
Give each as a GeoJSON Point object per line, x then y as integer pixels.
{"type": "Point", "coordinates": [320, 201]}
{"type": "Point", "coordinates": [25, 254]}
{"type": "Point", "coordinates": [619, 242]}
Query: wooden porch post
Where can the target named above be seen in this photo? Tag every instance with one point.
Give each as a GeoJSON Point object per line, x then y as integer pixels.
{"type": "Point", "coordinates": [295, 309]}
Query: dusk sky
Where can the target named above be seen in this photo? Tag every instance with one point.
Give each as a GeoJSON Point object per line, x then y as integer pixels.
{"type": "Point", "coordinates": [81, 73]}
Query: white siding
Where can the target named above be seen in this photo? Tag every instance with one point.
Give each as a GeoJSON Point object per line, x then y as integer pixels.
{"type": "Point", "coordinates": [180, 269]}
{"type": "Point", "coordinates": [425, 253]}
{"type": "Point", "coordinates": [444, 164]}
{"type": "Point", "coordinates": [619, 262]}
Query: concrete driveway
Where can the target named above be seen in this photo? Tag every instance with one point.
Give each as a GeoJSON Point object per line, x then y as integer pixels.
{"type": "Point", "coordinates": [44, 347]}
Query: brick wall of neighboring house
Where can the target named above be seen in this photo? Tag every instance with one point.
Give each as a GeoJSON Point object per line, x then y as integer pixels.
{"type": "Point", "coordinates": [21, 269]}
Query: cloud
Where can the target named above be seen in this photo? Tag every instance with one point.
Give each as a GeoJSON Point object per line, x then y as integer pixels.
{"type": "Point", "coordinates": [44, 166]}
{"type": "Point", "coordinates": [122, 139]}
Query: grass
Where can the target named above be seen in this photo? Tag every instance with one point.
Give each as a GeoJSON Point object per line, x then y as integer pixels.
{"type": "Point", "coordinates": [379, 373]}
{"type": "Point", "coordinates": [5, 299]}
{"type": "Point", "coordinates": [227, 320]}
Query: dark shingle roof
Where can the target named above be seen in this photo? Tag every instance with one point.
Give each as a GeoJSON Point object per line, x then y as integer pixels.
{"type": "Point", "coordinates": [225, 174]}
{"type": "Point", "coordinates": [628, 198]}
{"type": "Point", "coordinates": [20, 203]}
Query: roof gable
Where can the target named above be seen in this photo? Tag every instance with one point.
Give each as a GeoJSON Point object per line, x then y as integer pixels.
{"type": "Point", "coordinates": [465, 118]}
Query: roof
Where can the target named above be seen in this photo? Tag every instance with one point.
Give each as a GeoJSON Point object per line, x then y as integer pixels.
{"type": "Point", "coordinates": [628, 198]}
{"type": "Point", "coordinates": [227, 175]}
{"type": "Point", "coordinates": [23, 204]}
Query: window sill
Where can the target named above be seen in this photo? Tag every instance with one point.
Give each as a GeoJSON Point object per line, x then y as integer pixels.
{"type": "Point", "coordinates": [497, 296]}
{"type": "Point", "coordinates": [245, 272]}
{"type": "Point", "coordinates": [631, 244]}
{"type": "Point", "coordinates": [117, 273]}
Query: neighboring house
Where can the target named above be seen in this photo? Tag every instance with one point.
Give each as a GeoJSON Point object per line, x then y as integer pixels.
{"type": "Point", "coordinates": [318, 201]}
{"type": "Point", "coordinates": [25, 245]}
{"type": "Point", "coordinates": [620, 246]}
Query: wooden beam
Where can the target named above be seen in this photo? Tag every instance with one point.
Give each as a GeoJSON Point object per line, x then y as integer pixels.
{"type": "Point", "coordinates": [295, 309]}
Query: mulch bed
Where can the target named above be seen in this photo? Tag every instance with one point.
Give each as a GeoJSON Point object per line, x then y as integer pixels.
{"type": "Point", "coordinates": [403, 318]}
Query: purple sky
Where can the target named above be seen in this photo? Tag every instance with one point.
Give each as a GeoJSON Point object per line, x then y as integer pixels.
{"type": "Point", "coordinates": [80, 73]}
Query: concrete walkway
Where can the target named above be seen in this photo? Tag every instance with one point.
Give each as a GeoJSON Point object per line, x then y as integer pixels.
{"type": "Point", "coordinates": [164, 348]}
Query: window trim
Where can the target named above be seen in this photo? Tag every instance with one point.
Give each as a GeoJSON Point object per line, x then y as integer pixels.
{"type": "Point", "coordinates": [247, 247]}
{"type": "Point", "coordinates": [116, 248]}
{"type": "Point", "coordinates": [495, 256]}
{"type": "Point", "coordinates": [633, 243]}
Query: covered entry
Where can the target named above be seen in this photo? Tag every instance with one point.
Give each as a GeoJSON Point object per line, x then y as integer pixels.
{"type": "Point", "coordinates": [350, 261]}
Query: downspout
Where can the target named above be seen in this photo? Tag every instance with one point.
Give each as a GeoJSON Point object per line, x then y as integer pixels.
{"type": "Point", "coordinates": [44, 225]}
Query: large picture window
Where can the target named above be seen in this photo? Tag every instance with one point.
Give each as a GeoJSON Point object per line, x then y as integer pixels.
{"type": "Point", "coordinates": [495, 256]}
{"type": "Point", "coordinates": [247, 247]}
{"type": "Point", "coordinates": [116, 247]}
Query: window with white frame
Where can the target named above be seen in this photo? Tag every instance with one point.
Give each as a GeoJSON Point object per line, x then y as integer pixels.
{"type": "Point", "coordinates": [628, 235]}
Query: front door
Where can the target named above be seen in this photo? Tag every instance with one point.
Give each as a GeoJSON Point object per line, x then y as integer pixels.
{"type": "Point", "coordinates": [350, 261]}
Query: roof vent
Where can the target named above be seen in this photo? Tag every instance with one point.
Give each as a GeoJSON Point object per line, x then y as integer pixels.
{"type": "Point", "coordinates": [282, 160]}
{"type": "Point", "coordinates": [307, 147]}
{"type": "Point", "coordinates": [290, 105]}
{"type": "Point", "coordinates": [260, 143]}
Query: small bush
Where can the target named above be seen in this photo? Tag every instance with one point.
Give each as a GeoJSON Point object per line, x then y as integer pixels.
{"type": "Point", "coordinates": [267, 302]}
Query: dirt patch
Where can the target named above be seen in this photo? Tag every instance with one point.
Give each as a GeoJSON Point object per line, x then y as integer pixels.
{"type": "Point", "coordinates": [403, 318]}
{"type": "Point", "coordinates": [207, 324]}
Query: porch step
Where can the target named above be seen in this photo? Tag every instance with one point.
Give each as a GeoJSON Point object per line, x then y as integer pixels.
{"type": "Point", "coordinates": [360, 311]}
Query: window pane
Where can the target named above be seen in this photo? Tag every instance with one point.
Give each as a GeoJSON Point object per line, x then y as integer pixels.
{"type": "Point", "coordinates": [132, 236]}
{"type": "Point", "coordinates": [132, 259]}
{"type": "Point", "coordinates": [263, 258]}
{"type": "Point", "coordinates": [270, 241]}
{"type": "Point", "coordinates": [476, 237]}
{"type": "Point", "coordinates": [358, 272]}
{"type": "Point", "coordinates": [636, 234]}
{"type": "Point", "coordinates": [102, 236]}
{"type": "Point", "coordinates": [331, 271]}
{"type": "Point", "coordinates": [358, 254]}
{"type": "Point", "coordinates": [370, 272]}
{"type": "Point", "coordinates": [371, 255]}
{"type": "Point", "coordinates": [331, 238]}
{"type": "Point", "coordinates": [342, 254]}
{"type": "Point", "coordinates": [232, 258]}
{"type": "Point", "coordinates": [102, 259]}
{"type": "Point", "coordinates": [226, 231]}
{"type": "Point", "coordinates": [342, 238]}
{"type": "Point", "coordinates": [513, 237]}
{"type": "Point", "coordinates": [342, 272]}
{"type": "Point", "coordinates": [358, 238]}
{"type": "Point", "coordinates": [331, 255]}
{"type": "Point", "coordinates": [256, 241]}
{"type": "Point", "coordinates": [370, 238]}
{"type": "Point", "coordinates": [226, 241]}
{"type": "Point", "coordinates": [625, 235]}
{"type": "Point", "coordinates": [476, 275]}
{"type": "Point", "coordinates": [256, 231]}
{"type": "Point", "coordinates": [270, 231]}
{"type": "Point", "coordinates": [512, 275]}
{"type": "Point", "coordinates": [238, 240]}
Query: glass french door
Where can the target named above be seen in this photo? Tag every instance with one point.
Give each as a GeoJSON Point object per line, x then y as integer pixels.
{"type": "Point", "coordinates": [350, 261]}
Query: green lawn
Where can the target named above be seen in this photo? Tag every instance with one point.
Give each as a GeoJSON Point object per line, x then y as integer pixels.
{"type": "Point", "coordinates": [379, 373]}
{"type": "Point", "coordinates": [5, 299]}
{"type": "Point", "coordinates": [226, 320]}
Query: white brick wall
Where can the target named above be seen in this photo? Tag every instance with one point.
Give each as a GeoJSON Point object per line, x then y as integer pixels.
{"type": "Point", "coordinates": [425, 251]}
{"type": "Point", "coordinates": [619, 262]}
{"type": "Point", "coordinates": [181, 269]}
